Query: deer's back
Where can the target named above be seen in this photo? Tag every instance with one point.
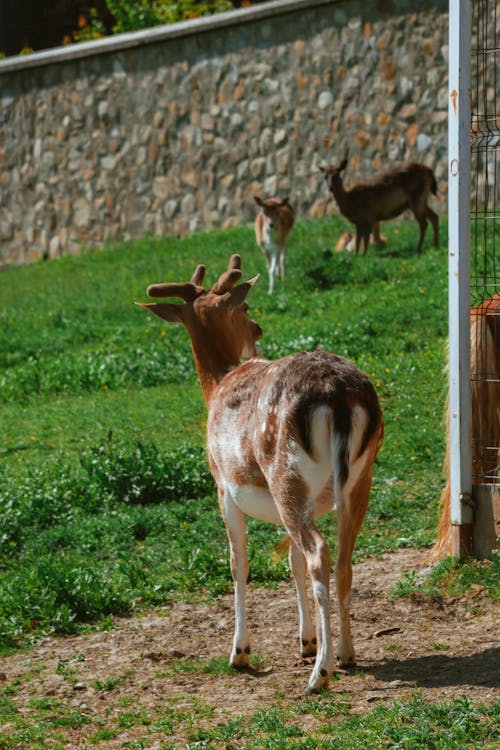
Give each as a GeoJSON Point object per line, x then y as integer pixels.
{"type": "Point", "coordinates": [263, 407]}
{"type": "Point", "coordinates": [410, 175]}
{"type": "Point", "coordinates": [389, 193]}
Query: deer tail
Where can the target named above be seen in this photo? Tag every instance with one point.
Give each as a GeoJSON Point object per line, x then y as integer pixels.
{"type": "Point", "coordinates": [434, 187]}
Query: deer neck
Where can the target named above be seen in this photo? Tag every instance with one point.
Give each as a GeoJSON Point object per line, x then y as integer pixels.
{"type": "Point", "coordinates": [340, 194]}
{"type": "Point", "coordinates": [212, 364]}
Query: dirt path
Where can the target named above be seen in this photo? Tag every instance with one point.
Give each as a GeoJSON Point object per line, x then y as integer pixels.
{"type": "Point", "coordinates": [446, 650]}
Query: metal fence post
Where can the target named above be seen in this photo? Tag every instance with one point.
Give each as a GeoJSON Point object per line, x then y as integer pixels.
{"type": "Point", "coordinates": [459, 123]}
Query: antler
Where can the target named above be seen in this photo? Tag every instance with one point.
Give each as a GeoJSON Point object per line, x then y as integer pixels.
{"type": "Point", "coordinates": [229, 278]}
{"type": "Point", "coordinates": [188, 291]}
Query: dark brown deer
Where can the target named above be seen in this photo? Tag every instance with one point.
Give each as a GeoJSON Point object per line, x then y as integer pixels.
{"type": "Point", "coordinates": [288, 441]}
{"type": "Point", "coordinates": [383, 197]}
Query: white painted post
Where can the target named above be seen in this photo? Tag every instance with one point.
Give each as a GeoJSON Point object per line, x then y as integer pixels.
{"type": "Point", "coordinates": [459, 128]}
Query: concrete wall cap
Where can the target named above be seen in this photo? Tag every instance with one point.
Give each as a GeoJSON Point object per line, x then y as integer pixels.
{"type": "Point", "coordinates": [155, 34]}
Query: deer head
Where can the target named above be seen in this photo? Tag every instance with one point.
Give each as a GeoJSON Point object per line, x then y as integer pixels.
{"type": "Point", "coordinates": [271, 208]}
{"type": "Point", "coordinates": [221, 333]}
{"type": "Point", "coordinates": [333, 174]}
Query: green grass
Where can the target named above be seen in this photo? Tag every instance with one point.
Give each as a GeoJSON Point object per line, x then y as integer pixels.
{"type": "Point", "coordinates": [325, 722]}
{"type": "Point", "coordinates": [103, 420]}
{"type": "Point", "coordinates": [453, 578]}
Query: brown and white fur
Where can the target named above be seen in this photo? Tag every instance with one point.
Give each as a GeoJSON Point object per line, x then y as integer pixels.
{"type": "Point", "coordinates": [383, 197]}
{"type": "Point", "coordinates": [485, 412]}
{"type": "Point", "coordinates": [347, 242]}
{"type": "Point", "coordinates": [273, 225]}
{"type": "Point", "coordinates": [288, 441]}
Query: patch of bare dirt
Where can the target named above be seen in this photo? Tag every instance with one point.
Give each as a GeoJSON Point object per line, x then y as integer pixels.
{"type": "Point", "coordinates": [445, 649]}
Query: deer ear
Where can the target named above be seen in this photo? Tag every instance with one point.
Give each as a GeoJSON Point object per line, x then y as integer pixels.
{"type": "Point", "coordinates": [258, 200]}
{"type": "Point", "coordinates": [165, 310]}
{"type": "Point", "coordinates": [236, 297]}
{"type": "Point", "coordinates": [322, 169]}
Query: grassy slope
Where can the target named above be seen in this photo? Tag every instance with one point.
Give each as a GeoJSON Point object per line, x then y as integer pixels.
{"type": "Point", "coordinates": [70, 332]}
{"type": "Point", "coordinates": [78, 362]}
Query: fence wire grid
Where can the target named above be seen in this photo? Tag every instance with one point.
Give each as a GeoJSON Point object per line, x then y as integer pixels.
{"type": "Point", "coordinates": [485, 241]}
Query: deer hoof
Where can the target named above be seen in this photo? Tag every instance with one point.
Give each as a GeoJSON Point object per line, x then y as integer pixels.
{"type": "Point", "coordinates": [319, 681]}
{"type": "Point", "coordinates": [348, 661]}
{"type": "Point", "coordinates": [240, 657]}
{"type": "Point", "coordinates": [308, 648]}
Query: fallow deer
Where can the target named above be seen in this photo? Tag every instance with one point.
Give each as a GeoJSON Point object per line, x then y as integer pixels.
{"type": "Point", "coordinates": [383, 197]}
{"type": "Point", "coordinates": [288, 440]}
{"type": "Point", "coordinates": [273, 225]}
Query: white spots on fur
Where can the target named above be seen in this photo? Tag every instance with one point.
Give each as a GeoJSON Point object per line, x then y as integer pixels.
{"type": "Point", "coordinates": [267, 428]}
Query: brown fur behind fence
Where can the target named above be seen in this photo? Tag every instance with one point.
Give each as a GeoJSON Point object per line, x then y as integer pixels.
{"type": "Point", "coordinates": [485, 407]}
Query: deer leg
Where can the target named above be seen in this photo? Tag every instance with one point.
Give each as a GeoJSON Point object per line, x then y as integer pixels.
{"type": "Point", "coordinates": [422, 222]}
{"type": "Point", "coordinates": [317, 554]}
{"type": "Point", "coordinates": [272, 270]}
{"type": "Point", "coordinates": [307, 636]}
{"type": "Point", "coordinates": [419, 210]}
{"type": "Point", "coordinates": [318, 564]}
{"type": "Point", "coordinates": [282, 263]}
{"type": "Point", "coordinates": [366, 241]}
{"type": "Point", "coordinates": [376, 234]}
{"type": "Point", "coordinates": [358, 239]}
{"type": "Point", "coordinates": [362, 236]}
{"type": "Point", "coordinates": [234, 520]}
{"type": "Point", "coordinates": [351, 509]}
{"type": "Point", "coordinates": [434, 219]}
{"type": "Point", "coordinates": [366, 238]}
{"type": "Point", "coordinates": [343, 582]}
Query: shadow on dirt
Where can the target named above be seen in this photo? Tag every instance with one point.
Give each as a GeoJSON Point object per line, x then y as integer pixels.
{"type": "Point", "coordinates": [440, 670]}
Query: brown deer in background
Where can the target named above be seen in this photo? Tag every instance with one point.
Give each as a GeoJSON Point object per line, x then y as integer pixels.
{"type": "Point", "coordinates": [273, 225]}
{"type": "Point", "coordinates": [383, 197]}
{"type": "Point", "coordinates": [288, 440]}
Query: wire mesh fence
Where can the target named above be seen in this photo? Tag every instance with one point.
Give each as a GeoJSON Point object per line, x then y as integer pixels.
{"type": "Point", "coordinates": [485, 241]}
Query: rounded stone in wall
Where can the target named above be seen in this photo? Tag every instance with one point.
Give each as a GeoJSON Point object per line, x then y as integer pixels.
{"type": "Point", "coordinates": [325, 100]}
{"type": "Point", "coordinates": [423, 141]}
{"type": "Point", "coordinates": [81, 213]}
{"type": "Point", "coordinates": [160, 187]}
{"type": "Point", "coordinates": [188, 204]}
{"type": "Point", "coordinates": [170, 208]}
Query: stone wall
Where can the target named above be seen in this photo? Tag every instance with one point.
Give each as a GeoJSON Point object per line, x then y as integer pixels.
{"type": "Point", "coordinates": [175, 129]}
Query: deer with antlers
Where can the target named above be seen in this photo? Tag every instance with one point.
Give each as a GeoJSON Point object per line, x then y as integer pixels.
{"type": "Point", "coordinates": [288, 440]}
